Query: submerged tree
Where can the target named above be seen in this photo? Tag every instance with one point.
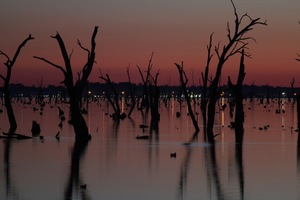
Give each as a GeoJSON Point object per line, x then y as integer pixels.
{"type": "Point", "coordinates": [238, 95]}
{"type": "Point", "coordinates": [205, 80]}
{"type": "Point", "coordinates": [131, 92]}
{"type": "Point", "coordinates": [237, 40]}
{"type": "Point", "coordinates": [151, 94]}
{"type": "Point", "coordinates": [114, 100]}
{"type": "Point", "coordinates": [75, 90]}
{"type": "Point", "coordinates": [183, 83]}
{"type": "Point", "coordinates": [6, 79]}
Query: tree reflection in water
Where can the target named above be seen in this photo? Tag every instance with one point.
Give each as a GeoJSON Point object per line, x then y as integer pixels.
{"type": "Point", "coordinates": [10, 193]}
{"type": "Point", "coordinates": [75, 188]}
{"type": "Point", "coordinates": [239, 137]}
{"type": "Point", "coordinates": [212, 167]}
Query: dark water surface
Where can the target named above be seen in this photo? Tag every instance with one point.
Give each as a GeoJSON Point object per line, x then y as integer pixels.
{"type": "Point", "coordinates": [114, 165]}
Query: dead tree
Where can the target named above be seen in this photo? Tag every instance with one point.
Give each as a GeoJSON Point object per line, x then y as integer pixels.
{"type": "Point", "coordinates": [298, 111]}
{"type": "Point", "coordinates": [205, 80]}
{"type": "Point", "coordinates": [237, 40]}
{"type": "Point", "coordinates": [183, 83]}
{"type": "Point", "coordinates": [151, 94]}
{"type": "Point", "coordinates": [114, 101]}
{"type": "Point", "coordinates": [154, 95]}
{"type": "Point", "coordinates": [238, 94]}
{"type": "Point", "coordinates": [292, 93]}
{"type": "Point", "coordinates": [145, 98]}
{"type": "Point", "coordinates": [75, 90]}
{"type": "Point", "coordinates": [6, 79]}
{"type": "Point", "coordinates": [132, 93]}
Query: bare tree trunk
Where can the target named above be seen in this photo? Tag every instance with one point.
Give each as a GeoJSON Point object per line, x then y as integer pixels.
{"type": "Point", "coordinates": [154, 96]}
{"type": "Point", "coordinates": [132, 94]}
{"type": "Point", "coordinates": [77, 120]}
{"type": "Point", "coordinates": [204, 96]}
{"type": "Point", "coordinates": [238, 93]}
{"type": "Point", "coordinates": [10, 111]}
{"type": "Point", "coordinates": [183, 81]}
{"type": "Point", "coordinates": [6, 91]}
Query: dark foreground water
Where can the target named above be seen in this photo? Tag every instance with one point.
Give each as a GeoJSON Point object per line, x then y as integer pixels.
{"type": "Point", "coordinates": [114, 165]}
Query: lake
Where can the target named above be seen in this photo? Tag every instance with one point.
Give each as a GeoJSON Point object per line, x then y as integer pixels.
{"type": "Point", "coordinates": [115, 165]}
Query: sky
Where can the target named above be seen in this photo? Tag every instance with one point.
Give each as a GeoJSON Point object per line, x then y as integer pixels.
{"type": "Point", "coordinates": [130, 30]}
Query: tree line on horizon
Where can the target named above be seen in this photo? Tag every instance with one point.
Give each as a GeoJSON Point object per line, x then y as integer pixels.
{"type": "Point", "coordinates": [75, 84]}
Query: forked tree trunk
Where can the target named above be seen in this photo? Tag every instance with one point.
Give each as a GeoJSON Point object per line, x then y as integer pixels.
{"type": "Point", "coordinates": [75, 90]}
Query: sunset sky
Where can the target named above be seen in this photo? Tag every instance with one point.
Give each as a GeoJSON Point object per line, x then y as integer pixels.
{"type": "Point", "coordinates": [130, 30]}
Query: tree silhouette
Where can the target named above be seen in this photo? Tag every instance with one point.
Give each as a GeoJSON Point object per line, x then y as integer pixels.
{"type": "Point", "coordinates": [75, 90]}
{"type": "Point", "coordinates": [131, 92]}
{"type": "Point", "coordinates": [6, 79]}
{"type": "Point", "coordinates": [238, 94]}
{"type": "Point", "coordinates": [237, 40]}
{"type": "Point", "coordinates": [151, 94]}
{"type": "Point", "coordinates": [114, 101]}
{"type": "Point", "coordinates": [183, 83]}
{"type": "Point", "coordinates": [205, 80]}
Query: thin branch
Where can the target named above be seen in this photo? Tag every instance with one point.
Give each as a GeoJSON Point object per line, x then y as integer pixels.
{"type": "Point", "coordinates": [85, 49]}
{"type": "Point", "coordinates": [8, 60]}
{"type": "Point", "coordinates": [51, 63]}
{"type": "Point", "coordinates": [1, 76]}
{"type": "Point", "coordinates": [128, 74]}
{"type": "Point", "coordinates": [19, 49]}
{"type": "Point", "coordinates": [298, 59]}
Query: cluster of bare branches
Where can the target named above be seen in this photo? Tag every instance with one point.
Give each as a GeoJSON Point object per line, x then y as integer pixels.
{"type": "Point", "coordinates": [151, 93]}
{"type": "Point", "coordinates": [238, 41]}
{"type": "Point", "coordinates": [75, 90]}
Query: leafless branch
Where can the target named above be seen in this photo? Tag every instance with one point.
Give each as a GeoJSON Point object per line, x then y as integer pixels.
{"type": "Point", "coordinates": [128, 74]}
{"type": "Point", "coordinates": [238, 40]}
{"type": "Point", "coordinates": [298, 59]}
{"type": "Point", "coordinates": [10, 63]}
{"type": "Point", "coordinates": [80, 45]}
{"type": "Point", "coordinates": [6, 56]}
{"type": "Point", "coordinates": [51, 63]}
{"type": "Point", "coordinates": [2, 77]}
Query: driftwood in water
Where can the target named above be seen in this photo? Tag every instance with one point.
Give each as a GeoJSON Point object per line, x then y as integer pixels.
{"type": "Point", "coordinates": [14, 136]}
{"type": "Point", "coordinates": [35, 129]}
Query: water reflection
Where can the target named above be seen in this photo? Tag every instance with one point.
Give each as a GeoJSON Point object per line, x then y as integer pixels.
{"type": "Point", "coordinates": [184, 173]}
{"type": "Point", "coordinates": [9, 191]}
{"type": "Point", "coordinates": [185, 167]}
{"type": "Point", "coordinates": [75, 187]}
{"type": "Point", "coordinates": [239, 138]}
{"type": "Point", "coordinates": [240, 165]}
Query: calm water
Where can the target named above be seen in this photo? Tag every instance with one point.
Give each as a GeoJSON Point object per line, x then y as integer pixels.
{"type": "Point", "coordinates": [114, 165]}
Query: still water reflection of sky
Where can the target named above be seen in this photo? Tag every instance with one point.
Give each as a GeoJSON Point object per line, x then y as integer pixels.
{"type": "Point", "coordinates": [114, 165]}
